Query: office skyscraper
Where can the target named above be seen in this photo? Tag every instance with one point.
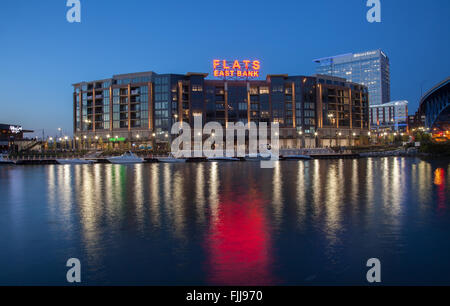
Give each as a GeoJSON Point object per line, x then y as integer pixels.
{"type": "Point", "coordinates": [369, 68]}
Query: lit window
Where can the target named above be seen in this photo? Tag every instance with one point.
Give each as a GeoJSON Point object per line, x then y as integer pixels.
{"type": "Point", "coordinates": [197, 88]}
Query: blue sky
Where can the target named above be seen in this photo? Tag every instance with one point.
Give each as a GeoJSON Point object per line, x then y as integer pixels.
{"type": "Point", "coordinates": [41, 54]}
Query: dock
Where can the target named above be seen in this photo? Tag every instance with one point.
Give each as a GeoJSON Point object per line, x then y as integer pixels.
{"type": "Point", "coordinates": [284, 155]}
{"type": "Point", "coordinates": [335, 156]}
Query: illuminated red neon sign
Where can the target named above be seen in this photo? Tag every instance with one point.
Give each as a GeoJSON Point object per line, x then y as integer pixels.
{"type": "Point", "coordinates": [236, 69]}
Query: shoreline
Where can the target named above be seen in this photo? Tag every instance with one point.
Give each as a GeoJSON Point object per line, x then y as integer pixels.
{"type": "Point", "coordinates": [103, 160]}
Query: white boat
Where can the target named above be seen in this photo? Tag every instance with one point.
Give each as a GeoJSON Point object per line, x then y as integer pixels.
{"type": "Point", "coordinates": [297, 157]}
{"type": "Point", "coordinates": [222, 158]}
{"type": "Point", "coordinates": [126, 158]}
{"type": "Point", "coordinates": [258, 157]}
{"type": "Point", "coordinates": [171, 159]}
{"type": "Point", "coordinates": [74, 161]}
{"type": "Point", "coordinates": [5, 161]}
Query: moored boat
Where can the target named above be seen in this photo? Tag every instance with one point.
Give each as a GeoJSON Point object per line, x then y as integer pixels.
{"type": "Point", "coordinates": [171, 159]}
{"type": "Point", "coordinates": [127, 158]}
{"type": "Point", "coordinates": [297, 157]}
{"type": "Point", "coordinates": [222, 158]}
{"type": "Point", "coordinates": [5, 161]}
{"type": "Point", "coordinates": [258, 157]}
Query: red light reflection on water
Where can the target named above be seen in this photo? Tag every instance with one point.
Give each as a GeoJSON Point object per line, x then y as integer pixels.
{"type": "Point", "coordinates": [238, 244]}
{"type": "Point", "coordinates": [439, 180]}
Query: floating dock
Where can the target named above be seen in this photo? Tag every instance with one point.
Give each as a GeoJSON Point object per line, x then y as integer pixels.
{"type": "Point", "coordinates": [101, 160]}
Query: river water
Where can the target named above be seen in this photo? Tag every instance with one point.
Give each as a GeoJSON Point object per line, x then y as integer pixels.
{"type": "Point", "coordinates": [302, 223]}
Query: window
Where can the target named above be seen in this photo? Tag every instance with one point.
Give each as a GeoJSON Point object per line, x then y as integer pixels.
{"type": "Point", "coordinates": [144, 89]}
{"type": "Point", "coordinates": [277, 89]}
{"type": "Point", "coordinates": [309, 113]}
{"type": "Point", "coordinates": [263, 90]}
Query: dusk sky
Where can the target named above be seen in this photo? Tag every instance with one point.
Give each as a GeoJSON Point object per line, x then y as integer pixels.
{"type": "Point", "coordinates": [42, 55]}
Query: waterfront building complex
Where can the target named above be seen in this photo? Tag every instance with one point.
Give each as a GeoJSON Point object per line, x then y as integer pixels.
{"type": "Point", "coordinates": [310, 110]}
{"type": "Point", "coordinates": [392, 116]}
{"type": "Point", "coordinates": [369, 68]}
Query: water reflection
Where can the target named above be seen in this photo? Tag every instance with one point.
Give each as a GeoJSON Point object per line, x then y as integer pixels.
{"type": "Point", "coordinates": [238, 243]}
{"type": "Point", "coordinates": [439, 181]}
{"type": "Point", "coordinates": [302, 181]}
{"type": "Point", "coordinates": [226, 223]}
{"type": "Point", "coordinates": [277, 194]}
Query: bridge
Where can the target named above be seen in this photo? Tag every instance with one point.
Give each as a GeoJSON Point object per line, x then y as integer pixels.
{"type": "Point", "coordinates": [435, 105]}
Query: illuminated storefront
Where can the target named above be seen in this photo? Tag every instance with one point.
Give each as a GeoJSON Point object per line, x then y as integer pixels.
{"type": "Point", "coordinates": [9, 134]}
